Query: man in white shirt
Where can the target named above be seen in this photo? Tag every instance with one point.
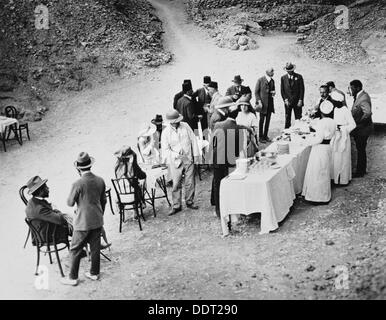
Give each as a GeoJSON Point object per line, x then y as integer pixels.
{"type": "Point", "coordinates": [180, 151]}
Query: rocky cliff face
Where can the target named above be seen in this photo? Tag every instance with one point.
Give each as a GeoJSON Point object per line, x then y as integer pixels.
{"type": "Point", "coordinates": [85, 42]}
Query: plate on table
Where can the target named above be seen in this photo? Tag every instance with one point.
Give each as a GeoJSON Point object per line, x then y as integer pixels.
{"type": "Point", "coordinates": [275, 166]}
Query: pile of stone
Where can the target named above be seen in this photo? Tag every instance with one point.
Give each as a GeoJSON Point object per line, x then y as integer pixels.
{"type": "Point", "coordinates": [85, 42]}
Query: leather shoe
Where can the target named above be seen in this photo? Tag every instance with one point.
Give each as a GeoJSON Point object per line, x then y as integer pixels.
{"type": "Point", "coordinates": [262, 140]}
{"type": "Point", "coordinates": [174, 211]}
{"type": "Point", "coordinates": [192, 206]}
{"type": "Point", "coordinates": [267, 139]}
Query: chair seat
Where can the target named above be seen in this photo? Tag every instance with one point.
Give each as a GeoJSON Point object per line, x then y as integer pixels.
{"type": "Point", "coordinates": [23, 123]}
{"type": "Point", "coordinates": [127, 198]}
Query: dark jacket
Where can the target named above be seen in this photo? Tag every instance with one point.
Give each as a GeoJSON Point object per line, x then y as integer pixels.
{"type": "Point", "coordinates": [361, 112]}
{"type": "Point", "coordinates": [263, 93]}
{"type": "Point", "coordinates": [244, 90]}
{"type": "Point", "coordinates": [292, 90]}
{"type": "Point", "coordinates": [88, 193]}
{"type": "Point", "coordinates": [187, 108]}
{"type": "Point", "coordinates": [203, 99]}
{"type": "Point", "coordinates": [177, 97]}
{"type": "Point", "coordinates": [216, 117]}
{"type": "Point", "coordinates": [41, 212]}
{"type": "Point", "coordinates": [227, 142]}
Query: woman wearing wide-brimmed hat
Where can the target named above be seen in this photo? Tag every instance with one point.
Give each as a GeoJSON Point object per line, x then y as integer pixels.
{"type": "Point", "coordinates": [148, 144]}
{"type": "Point", "coordinates": [247, 118]}
{"type": "Point", "coordinates": [317, 181]}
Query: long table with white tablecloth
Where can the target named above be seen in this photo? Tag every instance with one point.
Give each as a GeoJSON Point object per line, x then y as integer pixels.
{"type": "Point", "coordinates": [270, 191]}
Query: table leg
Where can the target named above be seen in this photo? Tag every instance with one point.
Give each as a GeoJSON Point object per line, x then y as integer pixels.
{"type": "Point", "coordinates": [225, 230]}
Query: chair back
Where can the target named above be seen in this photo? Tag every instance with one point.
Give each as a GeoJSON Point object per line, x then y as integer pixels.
{"type": "Point", "coordinates": [124, 187]}
{"type": "Point", "coordinates": [42, 232]}
{"type": "Point", "coordinates": [10, 112]}
{"type": "Point", "coordinates": [22, 194]}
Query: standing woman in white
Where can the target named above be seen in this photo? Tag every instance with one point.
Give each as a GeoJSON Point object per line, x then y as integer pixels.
{"type": "Point", "coordinates": [317, 181]}
{"type": "Point", "coordinates": [341, 144]}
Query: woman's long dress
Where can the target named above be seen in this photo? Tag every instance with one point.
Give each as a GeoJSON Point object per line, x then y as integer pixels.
{"type": "Point", "coordinates": [317, 181]}
{"type": "Point", "coordinates": [341, 146]}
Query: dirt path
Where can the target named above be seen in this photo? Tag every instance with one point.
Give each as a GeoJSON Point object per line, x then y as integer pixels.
{"type": "Point", "coordinates": [183, 256]}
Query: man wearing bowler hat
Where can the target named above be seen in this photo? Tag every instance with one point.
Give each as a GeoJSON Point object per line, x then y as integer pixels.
{"type": "Point", "coordinates": [203, 101]}
{"type": "Point", "coordinates": [88, 193]}
{"type": "Point", "coordinates": [41, 211]}
{"type": "Point", "coordinates": [292, 92]}
{"type": "Point", "coordinates": [180, 152]}
{"type": "Point", "coordinates": [238, 90]}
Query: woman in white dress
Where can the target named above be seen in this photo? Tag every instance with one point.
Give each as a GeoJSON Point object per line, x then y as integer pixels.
{"type": "Point", "coordinates": [317, 181]}
{"type": "Point", "coordinates": [341, 144]}
{"type": "Point", "coordinates": [249, 120]}
{"type": "Point", "coordinates": [147, 144]}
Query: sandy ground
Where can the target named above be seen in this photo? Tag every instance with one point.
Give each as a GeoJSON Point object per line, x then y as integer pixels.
{"type": "Point", "coordinates": [185, 256]}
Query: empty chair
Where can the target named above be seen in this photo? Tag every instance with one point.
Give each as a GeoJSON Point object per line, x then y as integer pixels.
{"type": "Point", "coordinates": [128, 194]}
{"type": "Point", "coordinates": [11, 112]}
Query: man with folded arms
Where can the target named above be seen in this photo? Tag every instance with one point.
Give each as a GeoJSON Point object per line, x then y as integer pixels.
{"type": "Point", "coordinates": [88, 193]}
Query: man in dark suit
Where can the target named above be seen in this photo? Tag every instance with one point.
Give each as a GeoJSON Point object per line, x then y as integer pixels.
{"type": "Point", "coordinates": [292, 92]}
{"type": "Point", "coordinates": [203, 101]}
{"type": "Point", "coordinates": [41, 211]}
{"type": "Point", "coordinates": [264, 93]}
{"type": "Point", "coordinates": [187, 107]}
{"type": "Point", "coordinates": [226, 145]}
{"type": "Point", "coordinates": [238, 90]}
{"type": "Point", "coordinates": [180, 94]}
{"type": "Point", "coordinates": [88, 193]}
{"type": "Point", "coordinates": [361, 112]}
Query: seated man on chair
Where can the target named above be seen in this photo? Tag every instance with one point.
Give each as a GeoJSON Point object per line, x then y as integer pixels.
{"type": "Point", "coordinates": [39, 209]}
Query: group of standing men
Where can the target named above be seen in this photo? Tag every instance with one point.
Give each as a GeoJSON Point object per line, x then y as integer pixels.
{"type": "Point", "coordinates": [199, 106]}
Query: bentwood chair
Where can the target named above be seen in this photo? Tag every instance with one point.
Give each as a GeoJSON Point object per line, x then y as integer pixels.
{"type": "Point", "coordinates": [25, 201]}
{"type": "Point", "coordinates": [11, 112]}
{"type": "Point", "coordinates": [46, 238]}
{"type": "Point", "coordinates": [128, 194]}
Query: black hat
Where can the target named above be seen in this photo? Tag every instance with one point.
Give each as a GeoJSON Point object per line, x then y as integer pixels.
{"type": "Point", "coordinates": [186, 87]}
{"type": "Point", "coordinates": [213, 84]}
{"type": "Point", "coordinates": [207, 80]}
{"type": "Point", "coordinates": [158, 119]}
{"type": "Point", "coordinates": [188, 81]}
{"type": "Point", "coordinates": [237, 79]}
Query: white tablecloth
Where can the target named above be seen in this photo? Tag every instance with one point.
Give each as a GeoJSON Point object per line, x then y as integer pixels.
{"type": "Point", "coordinates": [270, 192]}
{"type": "Point", "coordinates": [5, 122]}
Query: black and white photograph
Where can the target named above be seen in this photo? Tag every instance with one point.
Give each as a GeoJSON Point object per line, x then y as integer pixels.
{"type": "Point", "coordinates": [193, 150]}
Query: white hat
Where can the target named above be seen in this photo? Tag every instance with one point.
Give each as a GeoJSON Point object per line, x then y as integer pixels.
{"type": "Point", "coordinates": [148, 130]}
{"type": "Point", "coordinates": [335, 95]}
{"type": "Point", "coordinates": [326, 107]}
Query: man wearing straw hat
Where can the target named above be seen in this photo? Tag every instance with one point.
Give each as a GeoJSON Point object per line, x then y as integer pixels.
{"type": "Point", "coordinates": [292, 92]}
{"type": "Point", "coordinates": [180, 151]}
{"type": "Point", "coordinates": [88, 193]}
